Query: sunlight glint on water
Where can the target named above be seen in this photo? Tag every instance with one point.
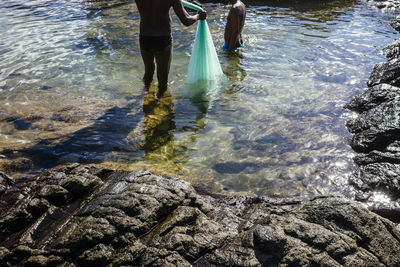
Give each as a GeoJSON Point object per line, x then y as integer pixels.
{"type": "Point", "coordinates": [71, 91]}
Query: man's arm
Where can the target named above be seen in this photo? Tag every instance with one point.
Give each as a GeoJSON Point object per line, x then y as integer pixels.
{"type": "Point", "coordinates": [183, 16]}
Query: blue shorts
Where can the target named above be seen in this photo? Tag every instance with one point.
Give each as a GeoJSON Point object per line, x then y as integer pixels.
{"type": "Point", "coordinates": [225, 46]}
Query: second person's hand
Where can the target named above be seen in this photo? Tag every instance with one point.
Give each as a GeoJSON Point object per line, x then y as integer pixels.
{"type": "Point", "coordinates": [202, 15]}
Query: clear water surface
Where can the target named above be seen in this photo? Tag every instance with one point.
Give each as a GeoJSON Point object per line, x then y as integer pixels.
{"type": "Point", "coordinates": [71, 91]}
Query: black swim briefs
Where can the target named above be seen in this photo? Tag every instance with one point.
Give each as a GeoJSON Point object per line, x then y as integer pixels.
{"type": "Point", "coordinates": [154, 44]}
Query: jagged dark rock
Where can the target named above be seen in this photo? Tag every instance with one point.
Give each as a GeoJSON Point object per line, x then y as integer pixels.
{"type": "Point", "coordinates": [377, 136]}
{"type": "Point", "coordinates": [377, 156]}
{"type": "Point", "coordinates": [377, 128]}
{"type": "Point", "coordinates": [387, 210]}
{"type": "Point", "coordinates": [384, 177]}
{"type": "Point", "coordinates": [392, 51]}
{"type": "Point", "coordinates": [390, 5]}
{"type": "Point", "coordinates": [143, 219]}
{"type": "Point", "coordinates": [386, 72]}
{"type": "Point", "coordinates": [372, 97]}
{"type": "Point", "coordinates": [5, 179]}
{"type": "Point", "coordinates": [5, 182]}
{"type": "Point", "coordinates": [395, 23]}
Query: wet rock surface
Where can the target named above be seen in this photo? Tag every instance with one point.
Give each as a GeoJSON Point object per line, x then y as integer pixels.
{"type": "Point", "coordinates": [376, 132]}
{"type": "Point", "coordinates": [85, 216]}
{"type": "Point", "coordinates": [395, 23]}
{"type": "Point", "coordinates": [387, 5]}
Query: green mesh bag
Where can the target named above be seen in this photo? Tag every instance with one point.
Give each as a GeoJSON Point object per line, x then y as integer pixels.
{"type": "Point", "coordinates": [204, 65]}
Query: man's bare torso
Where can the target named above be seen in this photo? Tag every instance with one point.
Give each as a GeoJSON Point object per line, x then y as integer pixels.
{"type": "Point", "coordinates": [155, 19]}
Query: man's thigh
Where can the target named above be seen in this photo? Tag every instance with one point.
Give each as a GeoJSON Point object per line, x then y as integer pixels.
{"type": "Point", "coordinates": [148, 57]}
{"type": "Point", "coordinates": [163, 58]}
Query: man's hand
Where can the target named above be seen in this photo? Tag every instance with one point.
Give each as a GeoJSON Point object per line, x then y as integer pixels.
{"type": "Point", "coordinates": [202, 15]}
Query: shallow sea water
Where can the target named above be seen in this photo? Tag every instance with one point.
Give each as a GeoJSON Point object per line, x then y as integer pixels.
{"type": "Point", "coordinates": [71, 91]}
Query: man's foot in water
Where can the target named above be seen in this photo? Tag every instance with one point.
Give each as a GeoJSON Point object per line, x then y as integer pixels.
{"type": "Point", "coordinates": [163, 92]}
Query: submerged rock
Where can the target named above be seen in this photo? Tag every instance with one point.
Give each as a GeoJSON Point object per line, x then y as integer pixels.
{"type": "Point", "coordinates": [20, 164]}
{"type": "Point", "coordinates": [143, 219]}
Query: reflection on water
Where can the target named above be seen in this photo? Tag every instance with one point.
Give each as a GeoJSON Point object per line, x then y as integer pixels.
{"type": "Point", "coordinates": [158, 121]}
{"type": "Point", "coordinates": [71, 91]}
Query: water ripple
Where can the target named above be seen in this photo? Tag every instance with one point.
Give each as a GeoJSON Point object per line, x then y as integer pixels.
{"type": "Point", "coordinates": [71, 90]}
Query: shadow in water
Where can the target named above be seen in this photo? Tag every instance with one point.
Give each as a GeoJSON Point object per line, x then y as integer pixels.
{"type": "Point", "coordinates": [91, 144]}
{"type": "Point", "coordinates": [114, 135]}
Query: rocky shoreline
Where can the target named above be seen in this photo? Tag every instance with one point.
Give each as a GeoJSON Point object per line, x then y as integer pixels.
{"type": "Point", "coordinates": [84, 216]}
{"type": "Point", "coordinates": [376, 129]}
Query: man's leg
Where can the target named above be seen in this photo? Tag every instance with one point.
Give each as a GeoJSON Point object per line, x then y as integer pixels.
{"type": "Point", "coordinates": [149, 66]}
{"type": "Point", "coordinates": [163, 59]}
